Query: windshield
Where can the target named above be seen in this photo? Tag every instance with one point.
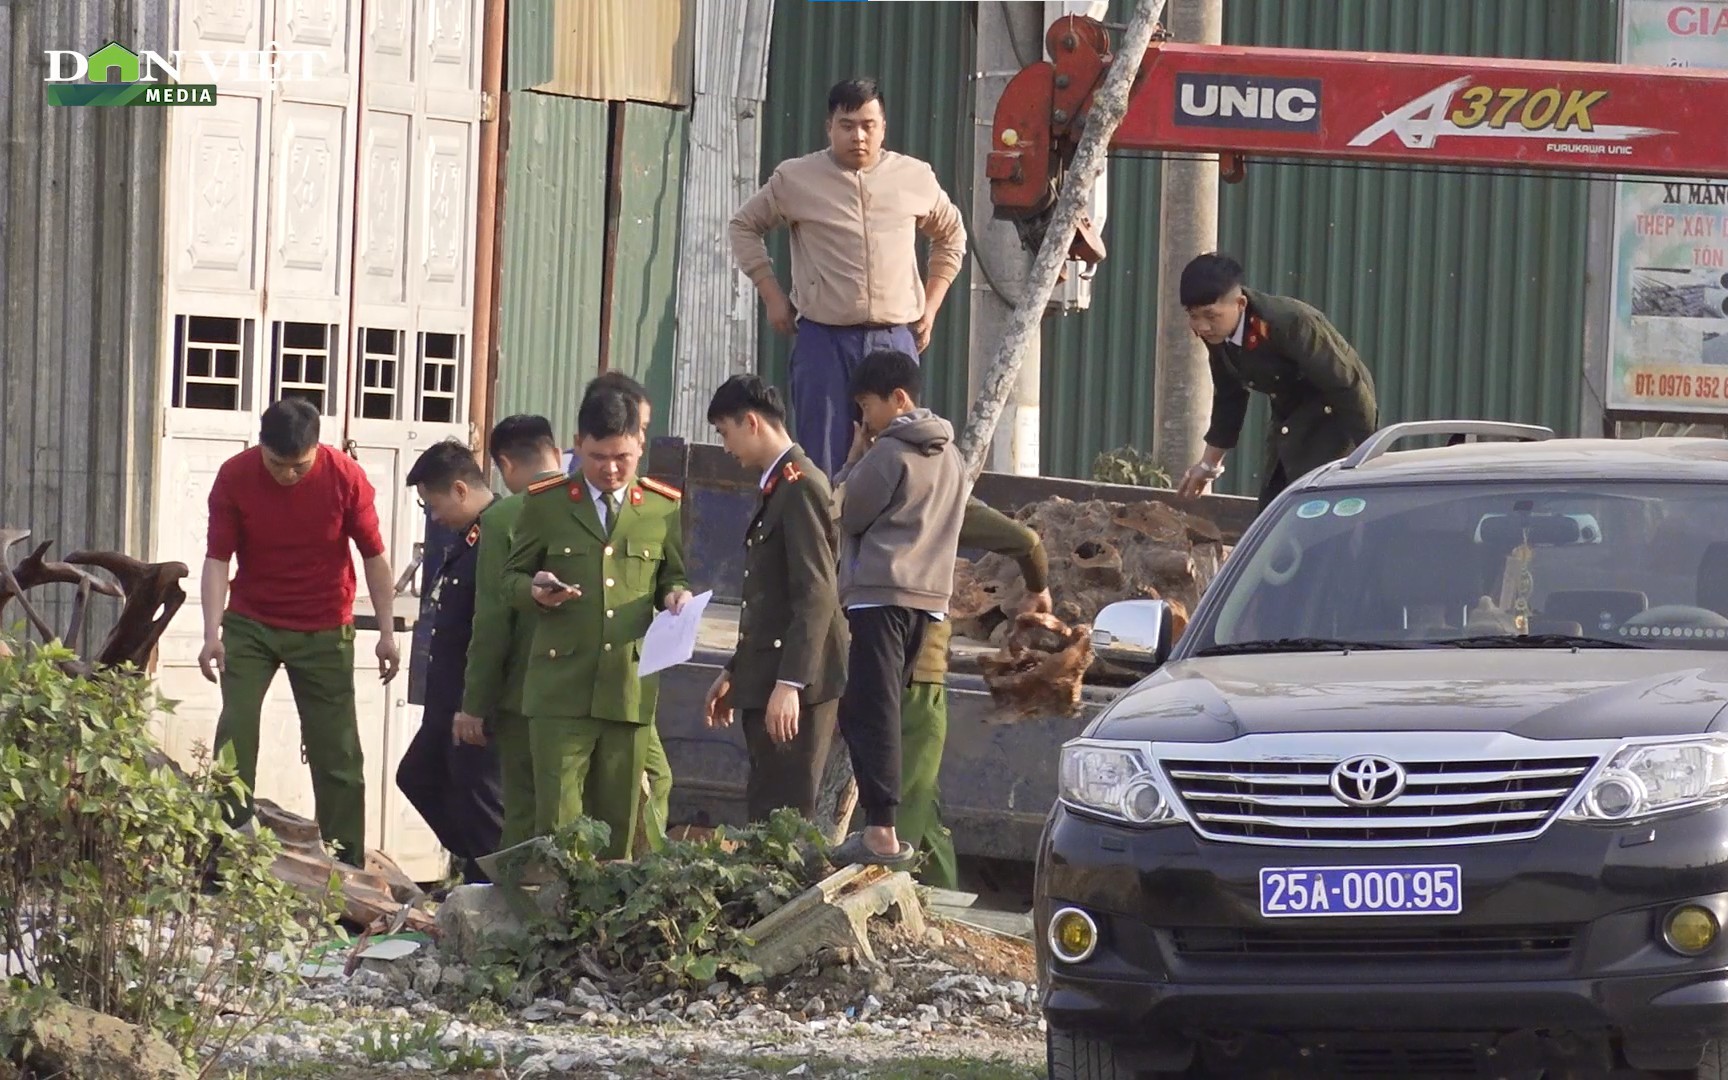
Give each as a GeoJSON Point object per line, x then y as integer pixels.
{"type": "Point", "coordinates": [1573, 564]}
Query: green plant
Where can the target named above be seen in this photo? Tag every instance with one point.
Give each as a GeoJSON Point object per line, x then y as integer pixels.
{"type": "Point", "coordinates": [1126, 465]}
{"type": "Point", "coordinates": [674, 917]}
{"type": "Point", "coordinates": [391, 1044]}
{"type": "Point", "coordinates": [122, 889]}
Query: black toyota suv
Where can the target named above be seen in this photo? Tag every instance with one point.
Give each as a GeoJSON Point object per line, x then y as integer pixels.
{"type": "Point", "coordinates": [1434, 782]}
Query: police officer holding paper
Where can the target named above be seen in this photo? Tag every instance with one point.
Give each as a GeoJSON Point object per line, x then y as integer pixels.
{"type": "Point", "coordinates": [593, 556]}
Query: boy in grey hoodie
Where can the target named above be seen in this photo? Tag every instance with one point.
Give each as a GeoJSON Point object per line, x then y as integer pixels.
{"type": "Point", "coordinates": [902, 496]}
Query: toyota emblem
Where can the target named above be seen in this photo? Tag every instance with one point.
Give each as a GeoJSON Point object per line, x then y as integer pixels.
{"type": "Point", "coordinates": [1368, 780]}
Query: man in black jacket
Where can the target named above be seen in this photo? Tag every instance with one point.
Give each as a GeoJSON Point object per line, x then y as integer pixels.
{"type": "Point", "coordinates": [454, 784]}
{"type": "Point", "coordinates": [790, 665]}
{"type": "Point", "coordinates": [1322, 395]}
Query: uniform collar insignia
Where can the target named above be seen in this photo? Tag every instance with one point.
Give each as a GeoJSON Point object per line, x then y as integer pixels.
{"type": "Point", "coordinates": [473, 536]}
{"type": "Point", "coordinates": [792, 472]}
{"type": "Point", "coordinates": [1256, 333]}
{"type": "Point", "coordinates": [773, 482]}
{"type": "Point", "coordinates": [635, 495]}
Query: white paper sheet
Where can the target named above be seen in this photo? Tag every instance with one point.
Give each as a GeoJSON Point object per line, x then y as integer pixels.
{"type": "Point", "coordinates": [671, 639]}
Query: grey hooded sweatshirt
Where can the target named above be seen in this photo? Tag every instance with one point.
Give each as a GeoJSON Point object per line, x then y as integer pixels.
{"type": "Point", "coordinates": [901, 506]}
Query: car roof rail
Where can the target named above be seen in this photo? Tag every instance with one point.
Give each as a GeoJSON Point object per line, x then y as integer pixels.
{"type": "Point", "coordinates": [1378, 443]}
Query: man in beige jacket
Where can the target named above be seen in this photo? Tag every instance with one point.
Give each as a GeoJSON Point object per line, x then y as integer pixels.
{"type": "Point", "coordinates": [855, 211]}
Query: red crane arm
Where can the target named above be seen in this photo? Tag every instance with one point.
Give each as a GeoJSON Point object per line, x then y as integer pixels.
{"type": "Point", "coordinates": [1354, 106]}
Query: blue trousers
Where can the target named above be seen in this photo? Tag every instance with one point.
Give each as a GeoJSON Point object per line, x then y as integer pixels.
{"type": "Point", "coordinates": [823, 359]}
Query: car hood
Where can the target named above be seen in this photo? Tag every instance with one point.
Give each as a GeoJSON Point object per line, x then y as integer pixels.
{"type": "Point", "coordinates": [1536, 693]}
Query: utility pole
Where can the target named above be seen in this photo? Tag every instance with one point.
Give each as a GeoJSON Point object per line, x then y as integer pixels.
{"type": "Point", "coordinates": [1187, 226]}
{"type": "Point", "coordinates": [1109, 105]}
{"type": "Point", "coordinates": [1010, 36]}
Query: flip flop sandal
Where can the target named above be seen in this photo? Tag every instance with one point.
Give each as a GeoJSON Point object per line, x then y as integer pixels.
{"type": "Point", "coordinates": [853, 850]}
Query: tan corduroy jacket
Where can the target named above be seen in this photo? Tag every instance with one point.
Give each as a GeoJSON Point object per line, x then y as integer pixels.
{"type": "Point", "coordinates": [854, 236]}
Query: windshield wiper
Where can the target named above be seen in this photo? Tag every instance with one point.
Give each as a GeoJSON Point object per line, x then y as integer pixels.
{"type": "Point", "coordinates": [1535, 641]}
{"type": "Point", "coordinates": [1300, 644]}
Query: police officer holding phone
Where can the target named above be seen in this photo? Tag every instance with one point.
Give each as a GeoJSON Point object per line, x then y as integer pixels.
{"type": "Point", "coordinates": [592, 558]}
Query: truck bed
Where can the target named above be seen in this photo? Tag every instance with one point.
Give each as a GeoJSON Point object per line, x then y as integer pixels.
{"type": "Point", "coordinates": [998, 780]}
{"type": "Point", "coordinates": [719, 632]}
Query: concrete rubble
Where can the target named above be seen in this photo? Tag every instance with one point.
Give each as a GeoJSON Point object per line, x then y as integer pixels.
{"type": "Point", "coordinates": [954, 989]}
{"type": "Point", "coordinates": [834, 914]}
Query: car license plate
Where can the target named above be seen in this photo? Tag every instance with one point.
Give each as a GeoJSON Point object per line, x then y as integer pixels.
{"type": "Point", "coordinates": [1308, 891]}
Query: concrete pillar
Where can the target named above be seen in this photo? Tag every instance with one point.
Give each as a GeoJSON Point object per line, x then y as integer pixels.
{"type": "Point", "coordinates": [999, 263]}
{"type": "Point", "coordinates": [1187, 226]}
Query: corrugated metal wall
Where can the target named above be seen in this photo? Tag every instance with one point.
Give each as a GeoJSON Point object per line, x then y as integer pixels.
{"type": "Point", "coordinates": [80, 255]}
{"type": "Point", "coordinates": [639, 50]}
{"type": "Point", "coordinates": [922, 55]}
{"type": "Point", "coordinates": [554, 242]}
{"type": "Point", "coordinates": [1464, 293]}
{"type": "Point", "coordinates": [645, 270]}
{"type": "Point", "coordinates": [716, 306]}
{"type": "Point", "coordinates": [530, 55]}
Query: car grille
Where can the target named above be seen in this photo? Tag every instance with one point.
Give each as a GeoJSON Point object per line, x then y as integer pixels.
{"type": "Point", "coordinates": [1291, 801]}
{"type": "Point", "coordinates": [1447, 942]}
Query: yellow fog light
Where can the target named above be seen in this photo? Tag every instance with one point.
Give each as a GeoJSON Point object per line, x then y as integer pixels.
{"type": "Point", "coordinates": [1073, 935]}
{"type": "Point", "coordinates": [1690, 929]}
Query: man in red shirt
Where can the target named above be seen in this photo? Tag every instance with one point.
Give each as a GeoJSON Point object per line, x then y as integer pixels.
{"type": "Point", "coordinates": [287, 509]}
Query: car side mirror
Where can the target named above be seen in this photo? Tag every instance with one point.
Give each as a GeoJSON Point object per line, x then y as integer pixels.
{"type": "Point", "coordinates": [1135, 632]}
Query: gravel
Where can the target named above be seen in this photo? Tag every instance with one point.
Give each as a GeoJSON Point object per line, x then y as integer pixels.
{"type": "Point", "coordinates": [400, 1016]}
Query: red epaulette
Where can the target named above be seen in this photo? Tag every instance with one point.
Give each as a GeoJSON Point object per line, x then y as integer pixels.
{"type": "Point", "coordinates": [547, 484]}
{"type": "Point", "coordinates": [666, 490]}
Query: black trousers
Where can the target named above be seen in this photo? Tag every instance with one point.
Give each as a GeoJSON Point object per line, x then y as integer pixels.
{"type": "Point", "coordinates": [787, 774]}
{"type": "Point", "coordinates": [885, 643]}
{"type": "Point", "coordinates": [455, 787]}
{"type": "Point", "coordinates": [1275, 483]}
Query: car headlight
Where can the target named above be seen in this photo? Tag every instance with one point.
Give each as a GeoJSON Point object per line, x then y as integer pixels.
{"type": "Point", "coordinates": [1654, 778]}
{"type": "Point", "coordinates": [1115, 781]}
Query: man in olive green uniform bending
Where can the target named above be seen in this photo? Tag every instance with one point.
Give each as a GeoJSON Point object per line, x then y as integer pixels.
{"type": "Point", "coordinates": [1321, 393]}
{"type": "Point", "coordinates": [790, 665]}
{"type": "Point", "coordinates": [924, 706]}
{"type": "Point", "coordinates": [525, 451]}
{"type": "Point", "coordinates": [592, 558]}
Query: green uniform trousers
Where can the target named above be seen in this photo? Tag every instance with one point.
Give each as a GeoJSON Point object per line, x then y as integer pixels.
{"type": "Point", "coordinates": [923, 731]}
{"type": "Point", "coordinates": [585, 766]}
{"type": "Point", "coordinates": [516, 776]}
{"type": "Point", "coordinates": [659, 810]}
{"type": "Point", "coordinates": [321, 673]}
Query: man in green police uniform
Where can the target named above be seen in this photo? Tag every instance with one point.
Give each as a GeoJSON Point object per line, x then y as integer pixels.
{"type": "Point", "coordinates": [524, 450]}
{"type": "Point", "coordinates": [1321, 393]}
{"type": "Point", "coordinates": [657, 768]}
{"type": "Point", "coordinates": [789, 669]}
{"type": "Point", "coordinates": [924, 706]}
{"type": "Point", "coordinates": [592, 557]}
